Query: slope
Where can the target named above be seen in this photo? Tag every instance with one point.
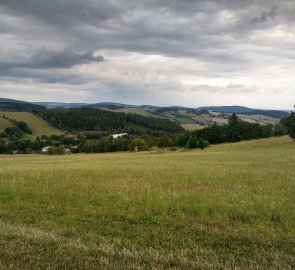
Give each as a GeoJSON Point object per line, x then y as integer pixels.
{"type": "Point", "coordinates": [4, 123]}
{"type": "Point", "coordinates": [38, 126]}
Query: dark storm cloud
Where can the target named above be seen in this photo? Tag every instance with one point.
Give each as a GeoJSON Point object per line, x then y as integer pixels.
{"type": "Point", "coordinates": [62, 59]}
{"type": "Point", "coordinates": [58, 12]}
{"type": "Point", "coordinates": [43, 76]}
{"type": "Point", "coordinates": [37, 65]}
{"type": "Point", "coordinates": [190, 28]}
{"type": "Point", "coordinates": [46, 59]}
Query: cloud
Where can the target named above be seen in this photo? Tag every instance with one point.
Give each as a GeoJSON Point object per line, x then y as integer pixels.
{"type": "Point", "coordinates": [151, 47]}
{"type": "Point", "coordinates": [38, 64]}
{"type": "Point", "coordinates": [230, 88]}
{"type": "Point", "coordinates": [62, 59]}
{"type": "Point", "coordinates": [232, 85]}
{"type": "Point", "coordinates": [46, 59]}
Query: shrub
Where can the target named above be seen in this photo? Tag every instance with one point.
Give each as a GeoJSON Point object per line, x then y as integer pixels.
{"type": "Point", "coordinates": [138, 144]}
{"type": "Point", "coordinates": [203, 144]}
{"type": "Point", "coordinates": [164, 141]}
{"type": "Point", "coordinates": [192, 143]}
{"type": "Point", "coordinates": [23, 126]}
{"type": "Point", "coordinates": [12, 133]}
{"type": "Point", "coordinates": [59, 150]}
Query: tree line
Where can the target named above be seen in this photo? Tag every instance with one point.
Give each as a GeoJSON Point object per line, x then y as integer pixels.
{"type": "Point", "coordinates": [102, 141]}
{"type": "Point", "coordinates": [237, 130]}
{"type": "Point", "coordinates": [81, 144]}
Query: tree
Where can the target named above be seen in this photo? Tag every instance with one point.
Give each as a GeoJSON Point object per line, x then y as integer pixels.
{"type": "Point", "coordinates": [13, 133]}
{"type": "Point", "coordinates": [164, 141]}
{"type": "Point", "coordinates": [22, 126]}
{"type": "Point", "coordinates": [138, 144]}
{"type": "Point", "coordinates": [203, 144]}
{"type": "Point", "coordinates": [233, 132]}
{"type": "Point", "coordinates": [192, 143]}
{"type": "Point", "coordinates": [3, 148]}
{"type": "Point", "coordinates": [60, 150]}
{"type": "Point", "coordinates": [180, 140]}
{"type": "Point", "coordinates": [279, 130]}
{"type": "Point", "coordinates": [217, 134]}
{"type": "Point", "coordinates": [289, 124]}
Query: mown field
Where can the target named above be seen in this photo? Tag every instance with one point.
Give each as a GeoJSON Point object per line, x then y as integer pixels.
{"type": "Point", "coordinates": [38, 126]}
{"type": "Point", "coordinates": [227, 207]}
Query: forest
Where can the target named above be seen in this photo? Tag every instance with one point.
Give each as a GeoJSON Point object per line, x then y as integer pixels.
{"type": "Point", "coordinates": [91, 119]}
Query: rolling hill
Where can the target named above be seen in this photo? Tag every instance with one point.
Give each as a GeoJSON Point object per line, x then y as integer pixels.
{"type": "Point", "coordinates": [54, 105]}
{"type": "Point", "coordinates": [189, 118]}
{"type": "Point", "coordinates": [197, 118]}
{"type": "Point", "coordinates": [93, 119]}
{"type": "Point", "coordinates": [38, 126]}
{"type": "Point", "coordinates": [17, 105]}
{"type": "Point", "coordinates": [248, 111]}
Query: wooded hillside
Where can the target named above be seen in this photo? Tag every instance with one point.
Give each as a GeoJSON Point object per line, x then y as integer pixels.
{"type": "Point", "coordinates": [90, 119]}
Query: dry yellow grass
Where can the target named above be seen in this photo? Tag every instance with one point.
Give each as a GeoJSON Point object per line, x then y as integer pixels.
{"type": "Point", "coordinates": [192, 127]}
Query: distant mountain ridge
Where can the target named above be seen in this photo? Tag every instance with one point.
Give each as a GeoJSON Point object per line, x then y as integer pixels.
{"type": "Point", "coordinates": [189, 118]}
{"type": "Point", "coordinates": [228, 109]}
{"type": "Point", "coordinates": [244, 110]}
{"type": "Point", "coordinates": [225, 109]}
{"type": "Point", "coordinates": [60, 104]}
{"type": "Point", "coordinates": [17, 105]}
{"type": "Point", "coordinates": [9, 100]}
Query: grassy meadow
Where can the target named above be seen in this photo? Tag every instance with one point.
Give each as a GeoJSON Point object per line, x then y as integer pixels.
{"type": "Point", "coordinates": [4, 123]}
{"type": "Point", "coordinates": [38, 126]}
{"type": "Point", "coordinates": [231, 206]}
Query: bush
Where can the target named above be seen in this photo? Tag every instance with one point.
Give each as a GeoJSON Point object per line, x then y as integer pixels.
{"type": "Point", "coordinates": [22, 126]}
{"type": "Point", "coordinates": [203, 144]}
{"type": "Point", "coordinates": [192, 143]}
{"type": "Point", "coordinates": [29, 150]}
{"type": "Point", "coordinates": [164, 141]}
{"type": "Point", "coordinates": [138, 145]}
{"type": "Point", "coordinates": [59, 150]}
{"type": "Point", "coordinates": [12, 133]}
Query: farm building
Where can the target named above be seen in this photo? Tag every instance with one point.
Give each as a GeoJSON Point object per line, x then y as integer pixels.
{"type": "Point", "coordinates": [45, 149]}
{"type": "Point", "coordinates": [116, 136]}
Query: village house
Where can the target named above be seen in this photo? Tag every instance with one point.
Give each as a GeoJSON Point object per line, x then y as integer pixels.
{"type": "Point", "coordinates": [45, 149]}
{"type": "Point", "coordinates": [116, 136]}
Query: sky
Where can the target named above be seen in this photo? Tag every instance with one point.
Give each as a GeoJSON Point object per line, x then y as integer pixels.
{"type": "Point", "coordinates": [161, 52]}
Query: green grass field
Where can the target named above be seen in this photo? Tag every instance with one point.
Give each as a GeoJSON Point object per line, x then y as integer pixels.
{"type": "Point", "coordinates": [230, 206]}
{"type": "Point", "coordinates": [4, 123]}
{"type": "Point", "coordinates": [38, 126]}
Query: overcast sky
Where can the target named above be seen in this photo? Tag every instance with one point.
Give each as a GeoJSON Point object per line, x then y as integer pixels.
{"type": "Point", "coordinates": [160, 52]}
